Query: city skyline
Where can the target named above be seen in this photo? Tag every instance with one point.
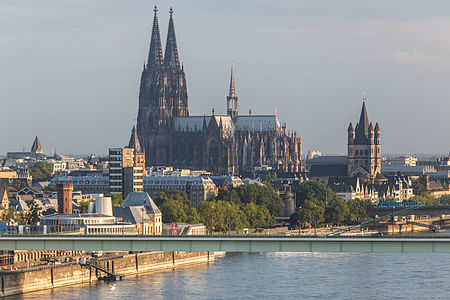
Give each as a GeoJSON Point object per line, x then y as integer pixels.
{"type": "Point", "coordinates": [77, 87]}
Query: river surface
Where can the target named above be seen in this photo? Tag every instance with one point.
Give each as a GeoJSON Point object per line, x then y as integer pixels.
{"type": "Point", "coordinates": [282, 276]}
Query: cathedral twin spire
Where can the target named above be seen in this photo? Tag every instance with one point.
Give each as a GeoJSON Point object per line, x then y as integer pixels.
{"type": "Point", "coordinates": [232, 99]}
{"type": "Point", "coordinates": [171, 56]}
{"type": "Point", "coordinates": [155, 56]}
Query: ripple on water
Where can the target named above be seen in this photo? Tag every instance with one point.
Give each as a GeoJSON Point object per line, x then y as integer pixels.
{"type": "Point", "coordinates": [282, 276]}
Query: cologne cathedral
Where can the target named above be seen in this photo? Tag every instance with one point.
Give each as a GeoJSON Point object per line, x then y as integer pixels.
{"type": "Point", "coordinates": [228, 143]}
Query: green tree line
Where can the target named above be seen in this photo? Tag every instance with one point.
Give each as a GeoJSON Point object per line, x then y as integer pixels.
{"type": "Point", "coordinates": [317, 204]}
{"type": "Point", "coordinates": [246, 206]}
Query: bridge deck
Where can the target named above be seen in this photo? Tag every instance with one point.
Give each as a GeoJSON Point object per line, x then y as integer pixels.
{"type": "Point", "coordinates": [229, 244]}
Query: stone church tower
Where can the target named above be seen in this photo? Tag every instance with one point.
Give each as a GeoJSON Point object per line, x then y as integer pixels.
{"type": "Point", "coordinates": [364, 148]}
{"type": "Point", "coordinates": [162, 96]}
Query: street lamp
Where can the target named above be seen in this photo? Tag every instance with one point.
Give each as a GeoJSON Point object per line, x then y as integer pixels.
{"type": "Point", "coordinates": [229, 218]}
{"type": "Point", "coordinates": [142, 220]}
{"type": "Point", "coordinates": [315, 220]}
{"type": "Point", "coordinates": [299, 222]}
{"type": "Point", "coordinates": [211, 217]}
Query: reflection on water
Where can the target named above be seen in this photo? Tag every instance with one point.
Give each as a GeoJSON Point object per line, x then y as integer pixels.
{"type": "Point", "coordinates": [282, 276]}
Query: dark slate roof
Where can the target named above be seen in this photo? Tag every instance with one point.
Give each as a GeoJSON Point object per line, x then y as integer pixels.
{"type": "Point", "coordinates": [191, 123]}
{"type": "Point", "coordinates": [36, 148]}
{"type": "Point", "coordinates": [133, 214]}
{"type": "Point", "coordinates": [134, 141]}
{"type": "Point", "coordinates": [350, 181]}
{"type": "Point", "coordinates": [327, 160]}
{"type": "Point", "coordinates": [328, 170]}
{"type": "Point", "coordinates": [362, 128]}
{"type": "Point", "coordinates": [220, 182]}
{"type": "Point", "coordinates": [2, 191]}
{"type": "Point", "coordinates": [140, 199]}
{"type": "Point", "coordinates": [341, 188]}
{"type": "Point", "coordinates": [380, 178]}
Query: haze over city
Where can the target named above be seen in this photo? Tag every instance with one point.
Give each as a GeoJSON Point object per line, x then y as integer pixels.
{"type": "Point", "coordinates": [70, 70]}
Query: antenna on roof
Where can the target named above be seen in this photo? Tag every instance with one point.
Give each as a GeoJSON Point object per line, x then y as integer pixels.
{"type": "Point", "coordinates": [276, 111]}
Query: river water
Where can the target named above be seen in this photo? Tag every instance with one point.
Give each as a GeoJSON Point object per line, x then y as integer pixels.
{"type": "Point", "coordinates": [282, 276]}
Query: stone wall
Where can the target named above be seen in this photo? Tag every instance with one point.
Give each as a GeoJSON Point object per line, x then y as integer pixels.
{"type": "Point", "coordinates": [52, 276]}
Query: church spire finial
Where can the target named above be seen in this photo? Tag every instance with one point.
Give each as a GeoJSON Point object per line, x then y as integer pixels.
{"type": "Point", "coordinates": [155, 56]}
{"type": "Point", "coordinates": [232, 92]}
{"type": "Point", "coordinates": [171, 56]}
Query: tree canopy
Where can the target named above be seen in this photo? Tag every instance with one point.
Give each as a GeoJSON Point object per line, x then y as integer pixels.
{"type": "Point", "coordinates": [419, 189]}
{"type": "Point", "coordinates": [41, 170]}
{"type": "Point", "coordinates": [176, 207]}
{"type": "Point", "coordinates": [116, 199]}
{"type": "Point", "coordinates": [33, 215]}
{"type": "Point", "coordinates": [245, 206]}
{"type": "Point", "coordinates": [316, 204]}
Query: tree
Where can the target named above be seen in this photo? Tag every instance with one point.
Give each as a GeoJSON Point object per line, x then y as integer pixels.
{"type": "Point", "coordinates": [358, 210]}
{"type": "Point", "coordinates": [337, 211]}
{"type": "Point", "coordinates": [50, 188]}
{"type": "Point", "coordinates": [313, 190]}
{"type": "Point", "coordinates": [313, 212]}
{"type": "Point", "coordinates": [41, 170]}
{"type": "Point", "coordinates": [445, 200]}
{"type": "Point", "coordinates": [313, 198]}
{"type": "Point", "coordinates": [257, 215]}
{"type": "Point", "coordinates": [11, 214]}
{"type": "Point", "coordinates": [19, 184]}
{"type": "Point", "coordinates": [33, 215]}
{"type": "Point", "coordinates": [269, 178]}
{"type": "Point", "coordinates": [419, 189]}
{"type": "Point", "coordinates": [176, 207]}
{"type": "Point", "coordinates": [84, 206]}
{"type": "Point", "coordinates": [221, 215]}
{"type": "Point", "coordinates": [228, 196]}
{"type": "Point", "coordinates": [260, 195]}
{"type": "Point", "coordinates": [250, 205]}
{"type": "Point", "coordinates": [49, 211]}
{"type": "Point", "coordinates": [116, 199]}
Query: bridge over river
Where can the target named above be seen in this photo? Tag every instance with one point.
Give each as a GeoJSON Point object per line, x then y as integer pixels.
{"type": "Point", "coordinates": [433, 211]}
{"type": "Point", "coordinates": [430, 244]}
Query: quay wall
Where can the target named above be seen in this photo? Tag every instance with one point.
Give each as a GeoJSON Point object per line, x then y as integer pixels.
{"type": "Point", "coordinates": [52, 276]}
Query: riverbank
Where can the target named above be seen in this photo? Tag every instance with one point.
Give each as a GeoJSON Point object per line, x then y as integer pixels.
{"type": "Point", "coordinates": [15, 282]}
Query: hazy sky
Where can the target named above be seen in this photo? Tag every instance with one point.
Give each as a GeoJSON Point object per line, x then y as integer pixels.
{"type": "Point", "coordinates": [70, 70]}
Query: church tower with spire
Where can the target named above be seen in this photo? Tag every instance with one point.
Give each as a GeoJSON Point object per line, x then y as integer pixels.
{"type": "Point", "coordinates": [36, 147]}
{"type": "Point", "coordinates": [232, 99]}
{"type": "Point", "coordinates": [364, 148]}
{"type": "Point", "coordinates": [162, 95]}
{"type": "Point", "coordinates": [177, 91]}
